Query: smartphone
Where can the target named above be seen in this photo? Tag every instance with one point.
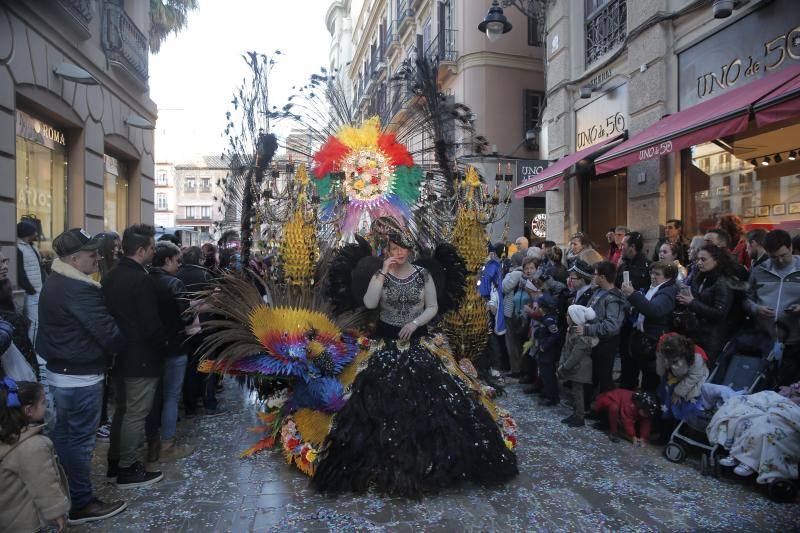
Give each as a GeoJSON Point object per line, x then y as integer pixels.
{"type": "Point", "coordinates": [685, 290]}
{"type": "Point", "coordinates": [626, 277]}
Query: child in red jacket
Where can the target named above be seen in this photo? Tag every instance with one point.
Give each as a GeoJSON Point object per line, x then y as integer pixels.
{"type": "Point", "coordinates": [630, 408]}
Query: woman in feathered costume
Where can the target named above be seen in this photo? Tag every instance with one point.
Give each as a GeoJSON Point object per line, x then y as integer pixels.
{"type": "Point", "coordinates": [414, 422]}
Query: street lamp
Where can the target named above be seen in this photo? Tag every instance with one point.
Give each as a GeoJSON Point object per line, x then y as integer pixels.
{"type": "Point", "coordinates": [495, 24]}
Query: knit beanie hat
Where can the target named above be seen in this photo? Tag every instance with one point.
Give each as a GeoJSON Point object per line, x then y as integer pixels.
{"type": "Point", "coordinates": [580, 315]}
{"type": "Point", "coordinates": [25, 229]}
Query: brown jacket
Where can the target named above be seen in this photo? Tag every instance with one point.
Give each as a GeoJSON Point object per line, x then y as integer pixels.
{"type": "Point", "coordinates": [34, 487]}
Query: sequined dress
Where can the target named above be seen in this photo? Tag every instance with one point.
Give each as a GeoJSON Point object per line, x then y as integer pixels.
{"type": "Point", "coordinates": [415, 423]}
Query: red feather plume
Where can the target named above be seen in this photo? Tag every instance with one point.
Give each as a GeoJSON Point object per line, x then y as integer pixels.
{"type": "Point", "coordinates": [395, 151]}
{"type": "Point", "coordinates": [328, 156]}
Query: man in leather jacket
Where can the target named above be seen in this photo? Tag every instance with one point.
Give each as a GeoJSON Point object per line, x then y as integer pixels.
{"type": "Point", "coordinates": [77, 335]}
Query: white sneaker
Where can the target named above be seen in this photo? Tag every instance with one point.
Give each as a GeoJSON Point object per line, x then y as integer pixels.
{"type": "Point", "coordinates": [728, 460]}
{"type": "Point", "coordinates": [743, 470]}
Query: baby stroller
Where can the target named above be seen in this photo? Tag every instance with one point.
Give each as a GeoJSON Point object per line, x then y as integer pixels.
{"type": "Point", "coordinates": [743, 365]}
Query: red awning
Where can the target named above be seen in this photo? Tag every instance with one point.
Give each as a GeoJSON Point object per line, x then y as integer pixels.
{"type": "Point", "coordinates": [555, 174]}
{"type": "Point", "coordinates": [781, 104]}
{"type": "Point", "coordinates": [726, 114]}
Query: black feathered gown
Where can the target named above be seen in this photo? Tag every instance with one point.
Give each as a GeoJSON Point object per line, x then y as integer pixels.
{"type": "Point", "coordinates": [411, 426]}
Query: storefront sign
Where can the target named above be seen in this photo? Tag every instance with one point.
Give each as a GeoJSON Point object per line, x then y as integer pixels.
{"type": "Point", "coordinates": [35, 130]}
{"type": "Point", "coordinates": [528, 169]}
{"type": "Point", "coordinates": [604, 117]}
{"type": "Point", "coordinates": [764, 41]}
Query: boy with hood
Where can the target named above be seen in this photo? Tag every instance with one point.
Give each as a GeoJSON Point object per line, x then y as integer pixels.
{"type": "Point", "coordinates": [575, 365]}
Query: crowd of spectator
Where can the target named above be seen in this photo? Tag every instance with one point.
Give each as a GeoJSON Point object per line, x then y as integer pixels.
{"type": "Point", "coordinates": [114, 321]}
{"type": "Point", "coordinates": [634, 333]}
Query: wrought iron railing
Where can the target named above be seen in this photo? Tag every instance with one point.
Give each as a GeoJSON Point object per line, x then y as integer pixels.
{"type": "Point", "coordinates": [606, 29]}
{"type": "Point", "coordinates": [123, 43]}
{"type": "Point", "coordinates": [443, 47]}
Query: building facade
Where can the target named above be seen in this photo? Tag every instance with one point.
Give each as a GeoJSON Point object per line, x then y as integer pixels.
{"type": "Point", "coordinates": [166, 196]}
{"type": "Point", "coordinates": [502, 82]}
{"type": "Point", "coordinates": [75, 150]}
{"type": "Point", "coordinates": [646, 71]}
{"type": "Point", "coordinates": [198, 193]}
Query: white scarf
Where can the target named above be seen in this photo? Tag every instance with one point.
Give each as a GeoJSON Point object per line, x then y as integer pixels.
{"type": "Point", "coordinates": [639, 324]}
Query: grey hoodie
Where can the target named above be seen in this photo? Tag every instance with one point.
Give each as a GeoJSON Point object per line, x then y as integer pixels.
{"type": "Point", "coordinates": [768, 288]}
{"type": "Point", "coordinates": [609, 306]}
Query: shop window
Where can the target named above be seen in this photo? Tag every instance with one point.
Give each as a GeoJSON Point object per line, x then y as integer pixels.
{"type": "Point", "coordinates": [604, 205]}
{"type": "Point", "coordinates": [115, 195]}
{"type": "Point", "coordinates": [760, 194]}
{"type": "Point", "coordinates": [41, 176]}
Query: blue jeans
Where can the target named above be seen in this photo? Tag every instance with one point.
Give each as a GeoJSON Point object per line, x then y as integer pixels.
{"type": "Point", "coordinates": [77, 418]}
{"type": "Point", "coordinates": [174, 371]}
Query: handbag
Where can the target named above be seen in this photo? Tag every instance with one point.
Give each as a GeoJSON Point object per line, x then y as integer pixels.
{"type": "Point", "coordinates": [15, 366]}
{"type": "Point", "coordinates": [685, 321]}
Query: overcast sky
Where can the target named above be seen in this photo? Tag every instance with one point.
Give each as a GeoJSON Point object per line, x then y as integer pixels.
{"type": "Point", "coordinates": [193, 77]}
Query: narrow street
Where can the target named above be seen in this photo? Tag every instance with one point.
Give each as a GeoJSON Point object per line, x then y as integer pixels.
{"type": "Point", "coordinates": [570, 480]}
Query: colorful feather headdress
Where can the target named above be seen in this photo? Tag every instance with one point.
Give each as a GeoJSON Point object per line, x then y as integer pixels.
{"type": "Point", "coordinates": [378, 175]}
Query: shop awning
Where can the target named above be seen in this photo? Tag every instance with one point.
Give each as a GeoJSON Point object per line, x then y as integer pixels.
{"type": "Point", "coordinates": [726, 114]}
{"type": "Point", "coordinates": [781, 104]}
{"type": "Point", "coordinates": [555, 174]}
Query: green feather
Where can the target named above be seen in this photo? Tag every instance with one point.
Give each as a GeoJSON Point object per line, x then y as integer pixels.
{"type": "Point", "coordinates": [406, 183]}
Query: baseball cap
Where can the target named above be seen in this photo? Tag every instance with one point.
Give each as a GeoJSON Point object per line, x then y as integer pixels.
{"type": "Point", "coordinates": [74, 240]}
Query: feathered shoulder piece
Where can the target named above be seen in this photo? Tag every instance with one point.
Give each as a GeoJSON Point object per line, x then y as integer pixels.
{"type": "Point", "coordinates": [346, 282]}
{"type": "Point", "coordinates": [449, 273]}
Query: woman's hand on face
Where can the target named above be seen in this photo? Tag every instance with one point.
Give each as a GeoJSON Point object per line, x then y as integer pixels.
{"type": "Point", "coordinates": [389, 265]}
{"type": "Point", "coordinates": [407, 331]}
{"type": "Point", "coordinates": [627, 288]}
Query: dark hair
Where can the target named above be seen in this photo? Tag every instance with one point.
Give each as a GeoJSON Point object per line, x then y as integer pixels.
{"type": "Point", "coordinates": [210, 255]}
{"type": "Point", "coordinates": [732, 224]}
{"type": "Point", "coordinates": [607, 270]}
{"type": "Point", "coordinates": [164, 250]}
{"type": "Point", "coordinates": [558, 253]}
{"type": "Point", "coordinates": [13, 419]}
{"type": "Point", "coordinates": [647, 401]}
{"type": "Point", "coordinates": [775, 239]}
{"type": "Point", "coordinates": [756, 235]}
{"type": "Point", "coordinates": [676, 222]}
{"type": "Point", "coordinates": [7, 295]}
{"type": "Point", "coordinates": [171, 237]}
{"type": "Point", "coordinates": [107, 258]}
{"type": "Point", "coordinates": [499, 249]}
{"type": "Point", "coordinates": [517, 258]}
{"type": "Point", "coordinates": [135, 237]}
{"type": "Point", "coordinates": [722, 235]}
{"type": "Point", "coordinates": [548, 244]}
{"type": "Point", "coordinates": [796, 244]}
{"type": "Point", "coordinates": [636, 240]}
{"type": "Point", "coordinates": [530, 260]}
{"type": "Point", "coordinates": [676, 346]}
{"type": "Point", "coordinates": [725, 264]}
{"type": "Point", "coordinates": [192, 256]}
{"type": "Point", "coordinates": [676, 253]}
{"type": "Point", "coordinates": [668, 269]}
{"type": "Point", "coordinates": [581, 238]}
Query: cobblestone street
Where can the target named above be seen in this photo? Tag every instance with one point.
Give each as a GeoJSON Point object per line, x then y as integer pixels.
{"type": "Point", "coordinates": [570, 480]}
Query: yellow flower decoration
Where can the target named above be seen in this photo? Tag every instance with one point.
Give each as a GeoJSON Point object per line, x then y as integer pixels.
{"type": "Point", "coordinates": [358, 185]}
{"type": "Point", "coordinates": [311, 455]}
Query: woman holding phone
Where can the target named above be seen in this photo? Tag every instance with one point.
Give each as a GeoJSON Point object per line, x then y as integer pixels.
{"type": "Point", "coordinates": [710, 299]}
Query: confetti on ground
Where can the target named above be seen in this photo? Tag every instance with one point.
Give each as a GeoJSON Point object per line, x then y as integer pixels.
{"type": "Point", "coordinates": [571, 479]}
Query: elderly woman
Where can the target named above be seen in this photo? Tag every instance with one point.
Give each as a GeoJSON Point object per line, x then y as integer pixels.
{"type": "Point", "coordinates": [652, 318]}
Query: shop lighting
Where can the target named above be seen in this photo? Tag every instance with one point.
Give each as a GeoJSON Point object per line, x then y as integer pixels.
{"type": "Point", "coordinates": [136, 121]}
{"type": "Point", "coordinates": [778, 158]}
{"type": "Point", "coordinates": [792, 155]}
{"type": "Point", "coordinates": [754, 162]}
{"type": "Point", "coordinates": [766, 161]}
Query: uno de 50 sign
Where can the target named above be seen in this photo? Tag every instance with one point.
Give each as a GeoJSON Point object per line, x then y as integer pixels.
{"type": "Point", "coordinates": [528, 169]}
{"type": "Point", "coordinates": [765, 41]}
{"type": "Point", "coordinates": [604, 117]}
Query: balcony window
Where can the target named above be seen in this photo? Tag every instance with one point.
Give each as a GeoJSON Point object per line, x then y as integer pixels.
{"type": "Point", "coordinates": [532, 109]}
{"type": "Point", "coordinates": [190, 185]}
{"type": "Point", "coordinates": [205, 185]}
{"type": "Point", "coordinates": [205, 212]}
{"type": "Point", "coordinates": [161, 201]}
{"type": "Point", "coordinates": [161, 179]}
{"type": "Point", "coordinates": [606, 27]}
